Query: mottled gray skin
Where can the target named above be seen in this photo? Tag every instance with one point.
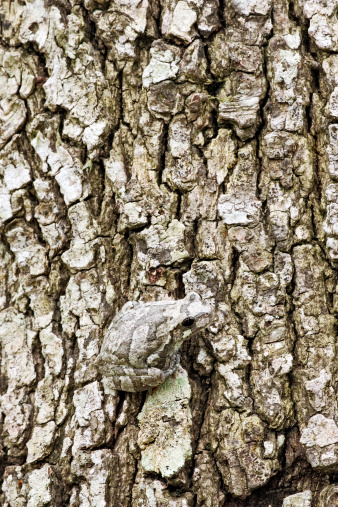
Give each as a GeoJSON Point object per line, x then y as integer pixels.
{"type": "Point", "coordinates": [139, 350]}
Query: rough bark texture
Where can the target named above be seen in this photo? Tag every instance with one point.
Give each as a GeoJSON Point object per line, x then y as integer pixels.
{"type": "Point", "coordinates": [150, 148]}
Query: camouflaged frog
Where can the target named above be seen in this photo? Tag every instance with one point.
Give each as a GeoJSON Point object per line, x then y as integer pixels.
{"type": "Point", "coordinates": [139, 350]}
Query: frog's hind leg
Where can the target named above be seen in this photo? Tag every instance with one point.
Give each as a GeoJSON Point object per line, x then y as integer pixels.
{"type": "Point", "coordinates": [142, 380]}
{"type": "Point", "coordinates": [139, 380]}
{"type": "Point", "coordinates": [134, 380]}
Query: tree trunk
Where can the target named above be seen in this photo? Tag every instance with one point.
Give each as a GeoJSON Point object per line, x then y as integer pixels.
{"type": "Point", "coordinates": [150, 149]}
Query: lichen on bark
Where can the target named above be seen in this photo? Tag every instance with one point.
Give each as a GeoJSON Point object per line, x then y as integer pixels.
{"type": "Point", "coordinates": [150, 149]}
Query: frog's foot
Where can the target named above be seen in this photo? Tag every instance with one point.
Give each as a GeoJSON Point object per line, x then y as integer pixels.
{"type": "Point", "coordinates": [175, 361]}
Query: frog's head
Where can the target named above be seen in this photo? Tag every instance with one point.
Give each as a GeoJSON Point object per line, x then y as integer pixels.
{"type": "Point", "coordinates": [181, 319]}
{"type": "Point", "coordinates": [196, 313]}
{"type": "Point", "coordinates": [193, 314]}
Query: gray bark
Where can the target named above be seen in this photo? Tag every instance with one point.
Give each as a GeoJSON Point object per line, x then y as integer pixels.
{"type": "Point", "coordinates": [149, 149]}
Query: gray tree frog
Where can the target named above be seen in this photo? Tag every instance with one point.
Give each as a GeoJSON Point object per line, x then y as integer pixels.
{"type": "Point", "coordinates": [139, 350]}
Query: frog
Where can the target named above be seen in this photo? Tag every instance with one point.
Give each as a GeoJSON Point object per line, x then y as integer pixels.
{"type": "Point", "coordinates": [140, 349]}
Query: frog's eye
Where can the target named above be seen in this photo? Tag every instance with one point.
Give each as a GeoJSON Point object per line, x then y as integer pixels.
{"type": "Point", "coordinates": [188, 322]}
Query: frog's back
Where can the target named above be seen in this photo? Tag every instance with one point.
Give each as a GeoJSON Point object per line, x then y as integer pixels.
{"type": "Point", "coordinates": [130, 338]}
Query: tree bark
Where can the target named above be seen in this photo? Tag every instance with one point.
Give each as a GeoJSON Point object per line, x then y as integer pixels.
{"type": "Point", "coordinates": [149, 149]}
